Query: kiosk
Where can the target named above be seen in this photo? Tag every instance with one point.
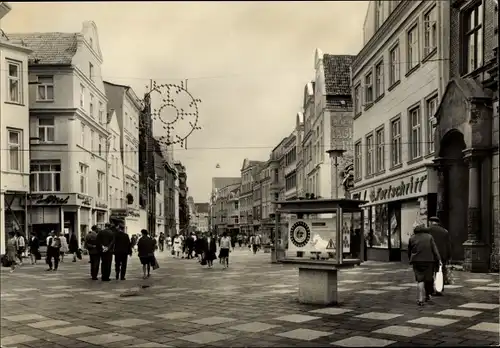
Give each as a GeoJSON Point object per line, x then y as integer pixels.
{"type": "Point", "coordinates": [316, 229]}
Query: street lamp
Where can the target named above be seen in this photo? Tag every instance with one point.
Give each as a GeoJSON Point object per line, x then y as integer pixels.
{"type": "Point", "coordinates": [335, 154]}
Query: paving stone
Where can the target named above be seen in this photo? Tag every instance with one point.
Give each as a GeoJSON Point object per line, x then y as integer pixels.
{"type": "Point", "coordinates": [400, 330]}
{"type": "Point", "coordinates": [253, 327]}
{"type": "Point", "coordinates": [453, 286]}
{"type": "Point", "coordinates": [371, 292]}
{"type": "Point", "coordinates": [24, 317]}
{"type": "Point", "coordinates": [170, 294]}
{"type": "Point", "coordinates": [459, 313]}
{"type": "Point", "coordinates": [485, 288]}
{"type": "Point", "coordinates": [297, 318]}
{"type": "Point", "coordinates": [391, 288]}
{"type": "Point", "coordinates": [174, 315]}
{"type": "Point", "coordinates": [73, 330]}
{"type": "Point", "coordinates": [16, 339]}
{"type": "Point", "coordinates": [475, 305]}
{"type": "Point", "coordinates": [48, 323]}
{"type": "Point", "coordinates": [106, 338]}
{"type": "Point", "coordinates": [486, 327]}
{"type": "Point", "coordinates": [331, 311]}
{"type": "Point", "coordinates": [205, 337]}
{"type": "Point", "coordinates": [378, 316]}
{"type": "Point", "coordinates": [304, 334]}
{"type": "Point", "coordinates": [478, 280]}
{"type": "Point", "coordinates": [150, 345]}
{"type": "Point", "coordinates": [213, 321]}
{"type": "Point", "coordinates": [362, 341]}
{"type": "Point", "coordinates": [433, 321]}
{"type": "Point", "coordinates": [200, 291]}
{"type": "Point", "coordinates": [344, 290]}
{"type": "Point", "coordinates": [131, 322]}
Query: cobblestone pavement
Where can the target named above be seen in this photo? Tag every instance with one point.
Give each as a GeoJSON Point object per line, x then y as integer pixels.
{"type": "Point", "coordinates": [251, 304]}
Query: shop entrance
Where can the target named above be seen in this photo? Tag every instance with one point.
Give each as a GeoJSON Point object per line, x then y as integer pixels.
{"type": "Point", "coordinates": [456, 195]}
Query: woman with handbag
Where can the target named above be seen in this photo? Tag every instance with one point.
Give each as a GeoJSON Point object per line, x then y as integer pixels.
{"type": "Point", "coordinates": [146, 251]}
{"type": "Point", "coordinates": [11, 251]}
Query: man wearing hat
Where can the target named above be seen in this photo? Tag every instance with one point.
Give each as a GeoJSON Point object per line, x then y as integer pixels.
{"type": "Point", "coordinates": [442, 238]}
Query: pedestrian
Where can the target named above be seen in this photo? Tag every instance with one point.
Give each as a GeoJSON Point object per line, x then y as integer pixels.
{"type": "Point", "coordinates": [442, 239]}
{"type": "Point", "coordinates": [423, 254]}
{"type": "Point", "coordinates": [64, 247]}
{"type": "Point", "coordinates": [177, 246]}
{"type": "Point", "coordinates": [240, 240]}
{"type": "Point", "coordinates": [133, 241]}
{"type": "Point", "coordinates": [253, 243]}
{"type": "Point", "coordinates": [198, 247]}
{"type": "Point", "coordinates": [11, 251]}
{"type": "Point", "coordinates": [189, 246]}
{"type": "Point", "coordinates": [73, 247]}
{"type": "Point", "coordinates": [94, 253]}
{"type": "Point", "coordinates": [34, 246]}
{"type": "Point", "coordinates": [161, 241]}
{"type": "Point", "coordinates": [20, 247]}
{"type": "Point", "coordinates": [122, 250]}
{"type": "Point", "coordinates": [53, 250]}
{"type": "Point", "coordinates": [225, 244]}
{"type": "Point", "coordinates": [105, 243]}
{"type": "Point", "coordinates": [146, 250]}
{"type": "Point", "coordinates": [210, 250]}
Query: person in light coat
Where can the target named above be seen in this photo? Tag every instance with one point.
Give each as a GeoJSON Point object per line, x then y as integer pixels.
{"type": "Point", "coordinates": [177, 243]}
{"type": "Point", "coordinates": [64, 247]}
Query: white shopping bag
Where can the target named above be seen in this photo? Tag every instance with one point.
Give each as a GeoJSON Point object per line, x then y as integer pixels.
{"type": "Point", "coordinates": [438, 280]}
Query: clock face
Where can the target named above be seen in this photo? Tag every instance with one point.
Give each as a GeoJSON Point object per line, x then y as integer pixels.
{"type": "Point", "coordinates": [300, 234]}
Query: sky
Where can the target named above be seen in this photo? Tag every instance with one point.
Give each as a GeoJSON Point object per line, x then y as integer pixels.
{"type": "Point", "coordinates": [247, 62]}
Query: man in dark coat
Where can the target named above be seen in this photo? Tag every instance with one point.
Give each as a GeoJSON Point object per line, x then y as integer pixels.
{"type": "Point", "coordinates": [123, 248]}
{"type": "Point", "coordinates": [93, 250]}
{"type": "Point", "coordinates": [443, 242]}
{"type": "Point", "coordinates": [105, 244]}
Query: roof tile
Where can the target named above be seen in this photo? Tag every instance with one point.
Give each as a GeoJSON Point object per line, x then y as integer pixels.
{"type": "Point", "coordinates": [49, 48]}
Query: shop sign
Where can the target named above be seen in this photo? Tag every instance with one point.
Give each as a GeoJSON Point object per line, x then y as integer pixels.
{"type": "Point", "coordinates": [84, 200]}
{"type": "Point", "coordinates": [405, 188]}
{"type": "Point", "coordinates": [118, 213]}
{"type": "Point", "coordinates": [48, 200]}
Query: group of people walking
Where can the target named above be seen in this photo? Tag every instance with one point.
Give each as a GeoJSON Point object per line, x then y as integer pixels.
{"type": "Point", "coordinates": [429, 248]}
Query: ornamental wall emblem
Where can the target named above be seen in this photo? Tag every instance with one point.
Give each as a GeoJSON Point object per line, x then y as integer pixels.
{"type": "Point", "coordinates": [300, 234]}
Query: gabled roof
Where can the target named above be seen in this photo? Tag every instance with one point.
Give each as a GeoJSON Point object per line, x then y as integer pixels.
{"type": "Point", "coordinates": [338, 74]}
{"type": "Point", "coordinates": [49, 48]}
{"type": "Point", "coordinates": [218, 182]}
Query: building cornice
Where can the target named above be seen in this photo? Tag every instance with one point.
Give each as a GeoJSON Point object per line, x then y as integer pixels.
{"type": "Point", "coordinates": [91, 83]}
{"type": "Point", "coordinates": [15, 47]}
{"type": "Point", "coordinates": [389, 24]}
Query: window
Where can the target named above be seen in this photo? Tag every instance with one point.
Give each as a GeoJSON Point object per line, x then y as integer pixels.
{"type": "Point", "coordinates": [369, 155]}
{"type": "Point", "coordinates": [394, 63]}
{"type": "Point", "coordinates": [412, 48]}
{"type": "Point", "coordinates": [357, 100]}
{"type": "Point", "coordinates": [101, 184]}
{"type": "Point", "coordinates": [82, 135]}
{"type": "Point", "coordinates": [46, 129]}
{"type": "Point", "coordinates": [101, 113]}
{"type": "Point", "coordinates": [45, 88]}
{"type": "Point", "coordinates": [92, 105]}
{"type": "Point", "coordinates": [14, 82]}
{"type": "Point", "coordinates": [396, 145]}
{"type": "Point", "coordinates": [92, 140]}
{"type": "Point", "coordinates": [430, 31]}
{"type": "Point", "coordinates": [379, 14]}
{"type": "Point", "coordinates": [91, 71]}
{"type": "Point", "coordinates": [14, 144]}
{"type": "Point", "coordinates": [84, 170]}
{"type": "Point", "coordinates": [100, 146]}
{"type": "Point", "coordinates": [473, 45]}
{"type": "Point", "coordinates": [82, 96]}
{"type": "Point", "coordinates": [45, 176]}
{"type": "Point", "coordinates": [415, 134]}
{"type": "Point", "coordinates": [380, 157]}
{"type": "Point", "coordinates": [368, 88]}
{"type": "Point", "coordinates": [357, 161]}
{"type": "Point", "coordinates": [430, 110]}
{"type": "Point", "coordinates": [379, 79]}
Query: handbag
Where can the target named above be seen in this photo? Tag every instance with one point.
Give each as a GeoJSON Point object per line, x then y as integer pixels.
{"type": "Point", "coordinates": [155, 263]}
{"type": "Point", "coordinates": [438, 280]}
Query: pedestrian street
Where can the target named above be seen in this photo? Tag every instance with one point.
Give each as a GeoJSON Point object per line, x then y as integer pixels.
{"type": "Point", "coordinates": [251, 304]}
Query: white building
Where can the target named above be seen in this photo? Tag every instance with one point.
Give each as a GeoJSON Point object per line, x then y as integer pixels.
{"type": "Point", "coordinates": [68, 118]}
{"type": "Point", "coordinates": [160, 206]}
{"type": "Point", "coordinates": [201, 217]}
{"type": "Point", "coordinates": [116, 198]}
{"type": "Point", "coordinates": [176, 205]}
{"type": "Point", "coordinates": [327, 122]}
{"type": "Point", "coordinates": [125, 153]}
{"type": "Point", "coordinates": [397, 78]}
{"type": "Point", "coordinates": [14, 133]}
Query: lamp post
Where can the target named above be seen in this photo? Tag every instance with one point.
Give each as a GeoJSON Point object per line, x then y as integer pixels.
{"type": "Point", "coordinates": [335, 154]}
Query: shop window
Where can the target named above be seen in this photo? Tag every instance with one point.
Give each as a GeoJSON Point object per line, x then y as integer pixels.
{"type": "Point", "coordinates": [378, 235]}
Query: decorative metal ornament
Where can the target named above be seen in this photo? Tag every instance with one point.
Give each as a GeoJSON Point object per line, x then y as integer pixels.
{"type": "Point", "coordinates": [300, 234]}
{"type": "Point", "coordinates": [176, 100]}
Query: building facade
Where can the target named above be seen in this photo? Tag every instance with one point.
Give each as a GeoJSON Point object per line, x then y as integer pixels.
{"type": "Point", "coordinates": [217, 184]}
{"type": "Point", "coordinates": [249, 171]}
{"type": "Point", "coordinates": [327, 121]}
{"type": "Point", "coordinates": [170, 194]}
{"type": "Point", "coordinates": [200, 217]}
{"type": "Point", "coordinates": [68, 120]}
{"type": "Point", "coordinates": [14, 134]}
{"type": "Point", "coordinates": [183, 194]}
{"type": "Point", "coordinates": [397, 81]}
{"type": "Point", "coordinates": [160, 174]}
{"type": "Point", "coordinates": [466, 137]}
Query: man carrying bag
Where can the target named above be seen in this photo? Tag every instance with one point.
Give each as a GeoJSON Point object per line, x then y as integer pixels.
{"type": "Point", "coordinates": [443, 243]}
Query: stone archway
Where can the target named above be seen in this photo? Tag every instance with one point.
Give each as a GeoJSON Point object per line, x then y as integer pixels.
{"type": "Point", "coordinates": [455, 183]}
